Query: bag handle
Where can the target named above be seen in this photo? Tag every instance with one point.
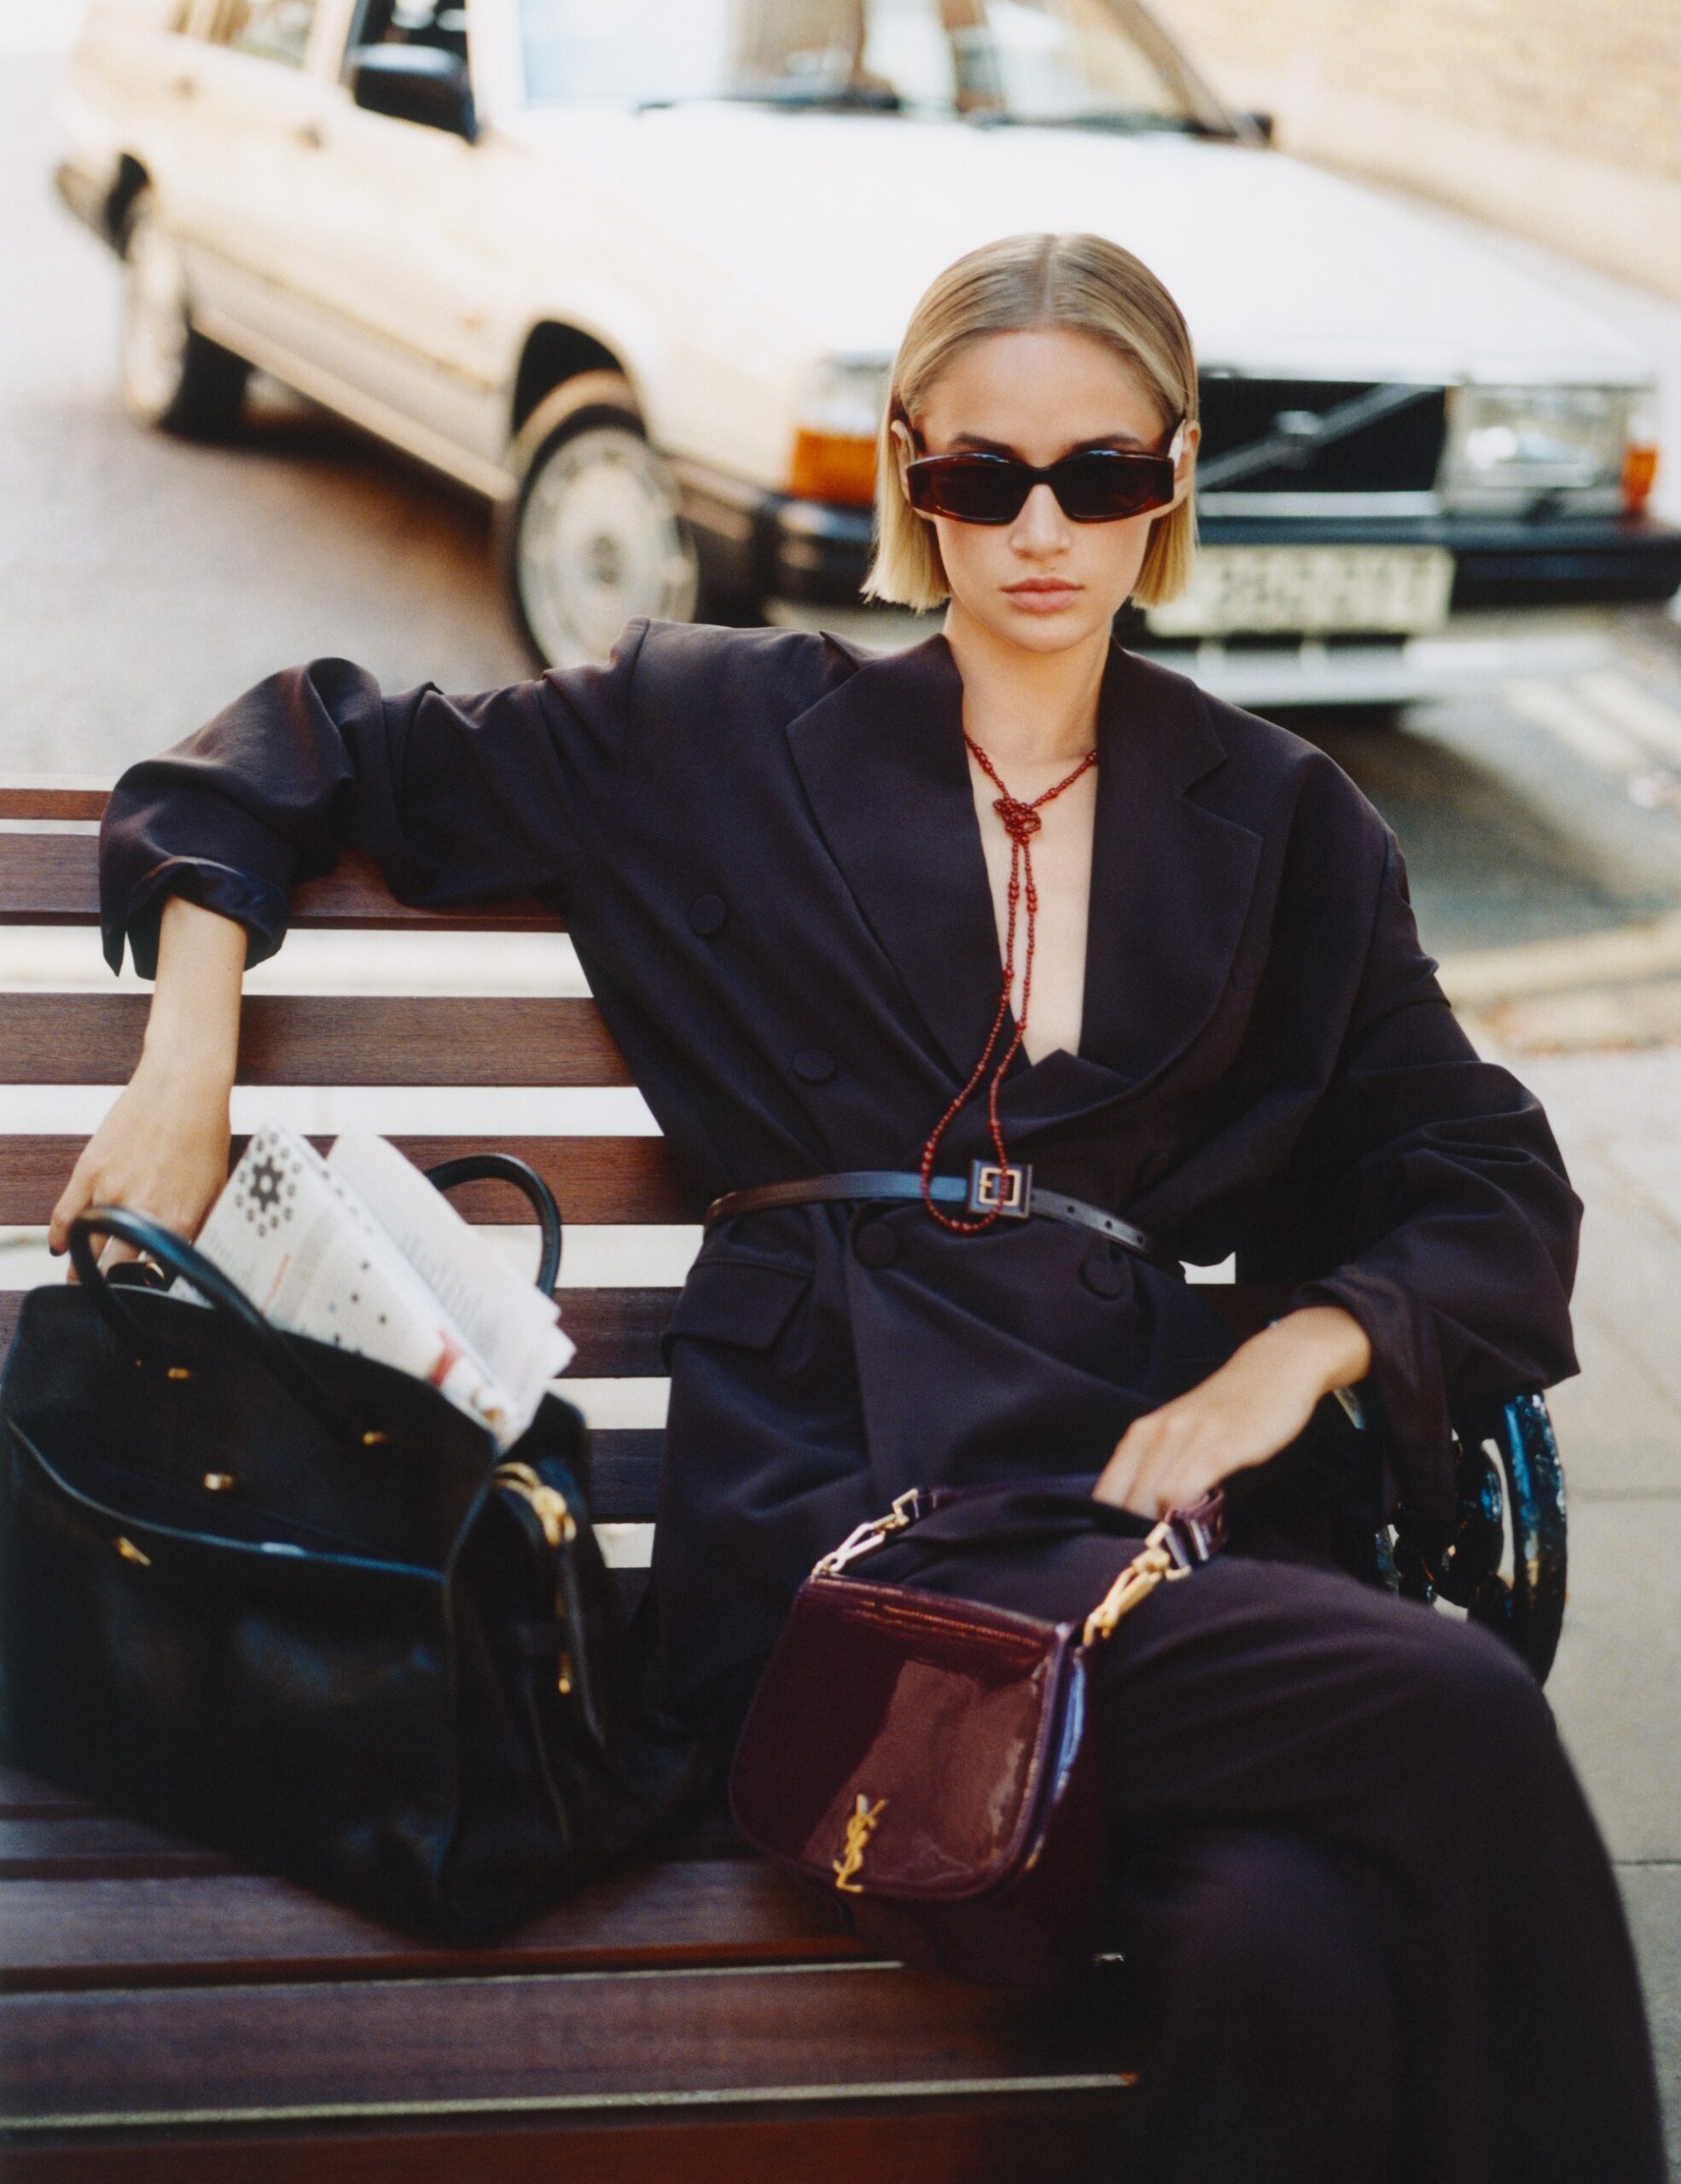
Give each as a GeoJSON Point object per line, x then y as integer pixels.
{"type": "Point", "coordinates": [1172, 1549]}
{"type": "Point", "coordinates": [190, 1264]}
{"type": "Point", "coordinates": [504, 1167]}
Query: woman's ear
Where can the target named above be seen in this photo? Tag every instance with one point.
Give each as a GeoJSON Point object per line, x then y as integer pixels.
{"type": "Point", "coordinates": [1183, 447]}
{"type": "Point", "coordinates": [905, 451]}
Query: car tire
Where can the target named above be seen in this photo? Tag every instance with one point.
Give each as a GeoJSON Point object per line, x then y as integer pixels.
{"type": "Point", "coordinates": [174, 378]}
{"type": "Point", "coordinates": [596, 534]}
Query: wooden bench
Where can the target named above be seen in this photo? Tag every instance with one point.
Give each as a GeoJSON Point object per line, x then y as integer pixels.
{"type": "Point", "coordinates": [165, 2016]}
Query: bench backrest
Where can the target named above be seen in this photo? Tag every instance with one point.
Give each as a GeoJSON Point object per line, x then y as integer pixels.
{"type": "Point", "coordinates": [425, 1069]}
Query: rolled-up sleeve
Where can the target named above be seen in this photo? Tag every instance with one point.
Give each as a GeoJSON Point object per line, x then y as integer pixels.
{"type": "Point", "coordinates": [1453, 1224]}
{"type": "Point", "coordinates": [455, 799]}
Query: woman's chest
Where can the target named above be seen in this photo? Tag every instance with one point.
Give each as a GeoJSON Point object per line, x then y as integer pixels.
{"type": "Point", "coordinates": [1060, 854]}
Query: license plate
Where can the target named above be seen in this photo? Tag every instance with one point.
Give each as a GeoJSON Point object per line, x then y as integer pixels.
{"type": "Point", "coordinates": [1309, 591]}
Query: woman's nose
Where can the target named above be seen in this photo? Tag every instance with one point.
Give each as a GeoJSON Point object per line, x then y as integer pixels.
{"type": "Point", "coordinates": [1041, 521]}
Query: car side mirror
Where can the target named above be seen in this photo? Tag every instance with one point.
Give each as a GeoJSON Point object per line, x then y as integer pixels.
{"type": "Point", "coordinates": [415, 83]}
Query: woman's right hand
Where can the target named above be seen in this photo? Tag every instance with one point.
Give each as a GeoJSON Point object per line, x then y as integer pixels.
{"type": "Point", "coordinates": [162, 1150]}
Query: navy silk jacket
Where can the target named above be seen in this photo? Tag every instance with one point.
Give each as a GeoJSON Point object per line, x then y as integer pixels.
{"type": "Point", "coordinates": [765, 846]}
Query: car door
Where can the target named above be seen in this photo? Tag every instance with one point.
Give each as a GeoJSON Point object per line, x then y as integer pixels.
{"type": "Point", "coordinates": [261, 110]}
{"type": "Point", "coordinates": [391, 261]}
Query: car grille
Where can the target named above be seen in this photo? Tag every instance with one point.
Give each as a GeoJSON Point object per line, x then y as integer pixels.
{"type": "Point", "coordinates": [1396, 453]}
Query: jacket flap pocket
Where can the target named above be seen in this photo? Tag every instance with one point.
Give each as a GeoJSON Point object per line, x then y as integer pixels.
{"type": "Point", "coordinates": [743, 1301]}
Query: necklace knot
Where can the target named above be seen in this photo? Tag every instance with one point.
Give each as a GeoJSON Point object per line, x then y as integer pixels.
{"type": "Point", "coordinates": [1021, 821]}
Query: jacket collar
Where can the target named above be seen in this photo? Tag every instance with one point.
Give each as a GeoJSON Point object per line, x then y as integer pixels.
{"type": "Point", "coordinates": [881, 758]}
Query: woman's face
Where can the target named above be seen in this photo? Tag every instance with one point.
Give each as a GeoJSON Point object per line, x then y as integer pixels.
{"type": "Point", "coordinates": [1042, 581]}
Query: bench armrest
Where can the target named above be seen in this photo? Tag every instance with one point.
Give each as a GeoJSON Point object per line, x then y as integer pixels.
{"type": "Point", "coordinates": [1511, 1484]}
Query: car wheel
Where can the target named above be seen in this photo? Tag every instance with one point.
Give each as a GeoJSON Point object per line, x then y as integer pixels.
{"type": "Point", "coordinates": [595, 538]}
{"type": "Point", "coordinates": [173, 377]}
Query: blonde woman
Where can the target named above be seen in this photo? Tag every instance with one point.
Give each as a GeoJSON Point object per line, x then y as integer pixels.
{"type": "Point", "coordinates": [1014, 896]}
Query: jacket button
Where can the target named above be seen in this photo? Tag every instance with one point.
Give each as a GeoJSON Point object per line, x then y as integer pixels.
{"type": "Point", "coordinates": [874, 1244]}
{"type": "Point", "coordinates": [813, 1066]}
{"type": "Point", "coordinates": [1105, 1276]}
{"type": "Point", "coordinates": [707, 914]}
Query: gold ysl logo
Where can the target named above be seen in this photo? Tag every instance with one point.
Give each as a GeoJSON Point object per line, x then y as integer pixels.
{"type": "Point", "coordinates": [860, 1829]}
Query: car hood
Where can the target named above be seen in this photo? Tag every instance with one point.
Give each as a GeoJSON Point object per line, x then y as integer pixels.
{"type": "Point", "coordinates": [838, 222]}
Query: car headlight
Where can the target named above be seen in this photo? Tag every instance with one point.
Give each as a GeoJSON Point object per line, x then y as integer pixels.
{"type": "Point", "coordinates": [836, 423]}
{"type": "Point", "coordinates": [1506, 445]}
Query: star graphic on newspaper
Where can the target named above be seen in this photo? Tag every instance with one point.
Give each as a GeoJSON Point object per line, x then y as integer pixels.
{"type": "Point", "coordinates": [266, 1183]}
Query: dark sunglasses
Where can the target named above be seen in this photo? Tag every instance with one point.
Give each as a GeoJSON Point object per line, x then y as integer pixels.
{"type": "Point", "coordinates": [1097, 485]}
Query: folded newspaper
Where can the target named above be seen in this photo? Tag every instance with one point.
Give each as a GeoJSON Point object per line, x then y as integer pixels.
{"type": "Point", "coordinates": [358, 1250]}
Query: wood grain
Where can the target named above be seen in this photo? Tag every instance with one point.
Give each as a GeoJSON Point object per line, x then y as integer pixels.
{"type": "Point", "coordinates": [78, 1038]}
{"type": "Point", "coordinates": [28, 799]}
{"type": "Point", "coordinates": [54, 880]}
{"type": "Point", "coordinates": [989, 2140]}
{"type": "Point", "coordinates": [596, 1179]}
{"type": "Point", "coordinates": [580, 2039]}
{"type": "Point", "coordinates": [237, 1928]}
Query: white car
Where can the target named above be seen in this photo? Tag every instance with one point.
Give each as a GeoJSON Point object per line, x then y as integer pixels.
{"type": "Point", "coordinates": [636, 269]}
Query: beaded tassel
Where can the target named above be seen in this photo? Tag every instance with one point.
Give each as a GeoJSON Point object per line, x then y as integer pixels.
{"type": "Point", "coordinates": [1022, 823]}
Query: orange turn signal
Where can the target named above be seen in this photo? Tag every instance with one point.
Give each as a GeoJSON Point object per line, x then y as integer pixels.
{"type": "Point", "coordinates": [1640, 471]}
{"type": "Point", "coordinates": [832, 466]}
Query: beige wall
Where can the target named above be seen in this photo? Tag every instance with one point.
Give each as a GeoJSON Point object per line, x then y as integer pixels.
{"type": "Point", "coordinates": [1559, 118]}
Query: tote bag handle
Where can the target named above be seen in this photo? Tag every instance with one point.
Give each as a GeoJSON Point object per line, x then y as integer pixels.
{"type": "Point", "coordinates": [184, 1260]}
{"type": "Point", "coordinates": [179, 1258]}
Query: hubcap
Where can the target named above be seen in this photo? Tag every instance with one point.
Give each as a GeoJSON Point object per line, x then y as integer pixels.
{"type": "Point", "coordinates": [155, 321]}
{"type": "Point", "coordinates": [599, 543]}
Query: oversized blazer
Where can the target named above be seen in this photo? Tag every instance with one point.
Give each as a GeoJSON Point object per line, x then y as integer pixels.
{"type": "Point", "coordinates": [766, 845]}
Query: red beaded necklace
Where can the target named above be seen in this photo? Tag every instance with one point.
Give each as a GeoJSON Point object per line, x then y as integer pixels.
{"type": "Point", "coordinates": [1022, 823]}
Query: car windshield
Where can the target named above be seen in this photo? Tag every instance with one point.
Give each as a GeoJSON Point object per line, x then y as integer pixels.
{"type": "Point", "coordinates": [1079, 63]}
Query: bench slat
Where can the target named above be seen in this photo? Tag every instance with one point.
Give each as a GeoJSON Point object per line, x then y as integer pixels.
{"type": "Point", "coordinates": [616, 1331]}
{"type": "Point", "coordinates": [979, 2139]}
{"type": "Point", "coordinates": [54, 880]}
{"type": "Point", "coordinates": [63, 1038]}
{"type": "Point", "coordinates": [48, 797]}
{"type": "Point", "coordinates": [596, 1179]}
{"type": "Point", "coordinates": [582, 2041]}
{"type": "Point", "coordinates": [224, 1928]}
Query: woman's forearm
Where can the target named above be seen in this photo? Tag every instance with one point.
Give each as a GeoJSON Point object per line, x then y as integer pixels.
{"type": "Point", "coordinates": [1326, 1346]}
{"type": "Point", "coordinates": [193, 1029]}
{"type": "Point", "coordinates": [163, 1148]}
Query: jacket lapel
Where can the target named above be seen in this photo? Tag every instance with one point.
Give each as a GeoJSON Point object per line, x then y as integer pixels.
{"type": "Point", "coordinates": [881, 759]}
{"type": "Point", "coordinates": [1172, 879]}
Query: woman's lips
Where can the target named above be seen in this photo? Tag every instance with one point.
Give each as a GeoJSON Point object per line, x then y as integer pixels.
{"type": "Point", "coordinates": [1041, 598]}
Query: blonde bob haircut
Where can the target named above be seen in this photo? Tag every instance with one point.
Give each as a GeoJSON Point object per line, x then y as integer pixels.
{"type": "Point", "coordinates": [1081, 281]}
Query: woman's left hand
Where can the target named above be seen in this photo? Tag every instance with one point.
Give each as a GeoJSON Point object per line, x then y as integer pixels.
{"type": "Point", "coordinates": [1253, 1406]}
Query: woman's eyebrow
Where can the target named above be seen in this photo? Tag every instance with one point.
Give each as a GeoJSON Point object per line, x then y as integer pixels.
{"type": "Point", "coordinates": [1002, 447]}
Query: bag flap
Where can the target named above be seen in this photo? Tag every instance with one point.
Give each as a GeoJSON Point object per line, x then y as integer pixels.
{"type": "Point", "coordinates": [904, 1743]}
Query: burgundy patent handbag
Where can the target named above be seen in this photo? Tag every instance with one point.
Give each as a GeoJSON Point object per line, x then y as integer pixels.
{"type": "Point", "coordinates": [923, 1759]}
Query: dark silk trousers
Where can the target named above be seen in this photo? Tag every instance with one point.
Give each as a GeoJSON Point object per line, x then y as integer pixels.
{"type": "Point", "coordinates": [1375, 1932]}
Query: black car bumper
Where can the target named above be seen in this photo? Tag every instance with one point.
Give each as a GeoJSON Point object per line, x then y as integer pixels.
{"type": "Point", "coordinates": [757, 545]}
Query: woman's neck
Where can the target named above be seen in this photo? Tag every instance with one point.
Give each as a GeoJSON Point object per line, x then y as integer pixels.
{"type": "Point", "coordinates": [1027, 708]}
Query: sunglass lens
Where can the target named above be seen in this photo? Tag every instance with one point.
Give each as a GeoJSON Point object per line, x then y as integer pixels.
{"type": "Point", "coordinates": [973, 492]}
{"type": "Point", "coordinates": [1100, 488]}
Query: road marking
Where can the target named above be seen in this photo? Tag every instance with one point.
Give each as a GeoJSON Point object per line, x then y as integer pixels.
{"type": "Point", "coordinates": [1617, 699]}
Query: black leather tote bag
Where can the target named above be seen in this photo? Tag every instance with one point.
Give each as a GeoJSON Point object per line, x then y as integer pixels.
{"type": "Point", "coordinates": [288, 1600]}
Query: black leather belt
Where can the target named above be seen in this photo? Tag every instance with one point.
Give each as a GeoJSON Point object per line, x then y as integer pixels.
{"type": "Point", "coordinates": [1008, 1191]}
